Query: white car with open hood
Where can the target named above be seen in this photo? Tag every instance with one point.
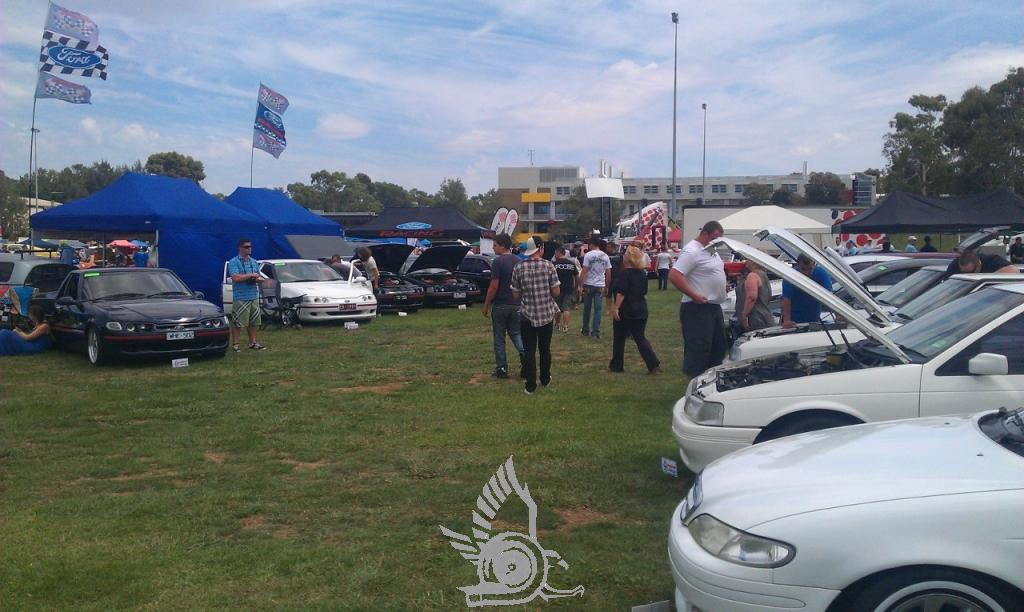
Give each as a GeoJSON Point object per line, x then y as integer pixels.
{"type": "Point", "coordinates": [905, 516]}
{"type": "Point", "coordinates": [961, 357]}
{"type": "Point", "coordinates": [326, 294]}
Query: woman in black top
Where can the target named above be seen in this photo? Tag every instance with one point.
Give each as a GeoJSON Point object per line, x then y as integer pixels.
{"type": "Point", "coordinates": [630, 313]}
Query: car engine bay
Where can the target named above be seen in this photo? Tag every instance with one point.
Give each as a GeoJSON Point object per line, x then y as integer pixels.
{"type": "Point", "coordinates": [794, 365]}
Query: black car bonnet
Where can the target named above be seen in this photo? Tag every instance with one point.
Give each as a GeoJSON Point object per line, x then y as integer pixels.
{"type": "Point", "coordinates": [390, 257]}
{"type": "Point", "coordinates": [446, 257]}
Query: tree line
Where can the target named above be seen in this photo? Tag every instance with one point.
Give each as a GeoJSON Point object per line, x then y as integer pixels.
{"type": "Point", "coordinates": [957, 148]}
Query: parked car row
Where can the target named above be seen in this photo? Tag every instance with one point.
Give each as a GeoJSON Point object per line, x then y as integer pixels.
{"type": "Point", "coordinates": [811, 494]}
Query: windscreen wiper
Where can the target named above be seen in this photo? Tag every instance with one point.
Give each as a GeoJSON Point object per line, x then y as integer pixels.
{"type": "Point", "coordinates": [153, 295]}
{"type": "Point", "coordinates": [117, 296]}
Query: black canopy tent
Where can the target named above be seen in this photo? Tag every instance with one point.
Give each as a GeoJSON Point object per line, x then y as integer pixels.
{"type": "Point", "coordinates": [431, 223]}
{"type": "Point", "coordinates": [909, 212]}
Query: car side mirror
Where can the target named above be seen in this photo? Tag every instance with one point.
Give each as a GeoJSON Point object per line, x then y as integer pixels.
{"type": "Point", "coordinates": [67, 300]}
{"type": "Point", "coordinates": [199, 295]}
{"type": "Point", "coordinates": [988, 364]}
{"type": "Point", "coordinates": [486, 273]}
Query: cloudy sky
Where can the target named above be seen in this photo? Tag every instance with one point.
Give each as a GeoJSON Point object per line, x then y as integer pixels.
{"type": "Point", "coordinates": [414, 92]}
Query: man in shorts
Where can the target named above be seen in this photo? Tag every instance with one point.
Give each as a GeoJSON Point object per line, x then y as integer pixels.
{"type": "Point", "coordinates": [567, 273]}
{"type": "Point", "coordinates": [245, 291]}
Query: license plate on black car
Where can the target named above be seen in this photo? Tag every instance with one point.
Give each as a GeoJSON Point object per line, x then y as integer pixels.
{"type": "Point", "coordinates": [459, 295]}
{"type": "Point", "coordinates": [181, 335]}
{"type": "Point", "coordinates": [401, 297]}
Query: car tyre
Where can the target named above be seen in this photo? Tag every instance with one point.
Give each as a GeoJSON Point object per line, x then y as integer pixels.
{"type": "Point", "coordinates": [936, 588]}
{"type": "Point", "coordinates": [799, 424]}
{"type": "Point", "coordinates": [94, 347]}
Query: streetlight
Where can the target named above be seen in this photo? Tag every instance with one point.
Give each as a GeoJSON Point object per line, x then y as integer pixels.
{"type": "Point", "coordinates": [675, 78]}
{"type": "Point", "coordinates": [704, 157]}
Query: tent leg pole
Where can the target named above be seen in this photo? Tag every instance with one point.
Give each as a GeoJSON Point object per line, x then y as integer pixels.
{"type": "Point", "coordinates": [252, 157]}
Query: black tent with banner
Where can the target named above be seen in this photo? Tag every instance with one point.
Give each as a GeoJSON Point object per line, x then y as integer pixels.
{"type": "Point", "coordinates": [908, 212]}
{"type": "Point", "coordinates": [431, 223]}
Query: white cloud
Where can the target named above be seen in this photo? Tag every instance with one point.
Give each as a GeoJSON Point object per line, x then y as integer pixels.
{"type": "Point", "coordinates": [341, 126]}
{"type": "Point", "coordinates": [135, 136]}
{"type": "Point", "coordinates": [92, 129]}
{"type": "Point", "coordinates": [473, 140]}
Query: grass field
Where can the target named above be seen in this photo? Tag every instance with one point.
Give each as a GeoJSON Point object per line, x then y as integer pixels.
{"type": "Point", "coordinates": [314, 475]}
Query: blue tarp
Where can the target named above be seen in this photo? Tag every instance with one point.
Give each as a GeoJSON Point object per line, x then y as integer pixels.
{"type": "Point", "coordinates": [197, 232]}
{"type": "Point", "coordinates": [283, 217]}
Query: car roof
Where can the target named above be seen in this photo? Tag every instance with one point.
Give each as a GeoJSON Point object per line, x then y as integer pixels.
{"type": "Point", "coordinates": [1014, 287]}
{"type": "Point", "coordinates": [121, 270]}
{"type": "Point", "coordinates": [276, 261]}
{"type": "Point", "coordinates": [15, 257]}
{"type": "Point", "coordinates": [908, 262]}
{"type": "Point", "coordinates": [1009, 277]}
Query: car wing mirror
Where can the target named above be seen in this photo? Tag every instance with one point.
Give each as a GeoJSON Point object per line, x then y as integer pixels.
{"type": "Point", "coordinates": [199, 295]}
{"type": "Point", "coordinates": [988, 364]}
{"type": "Point", "coordinates": [67, 300]}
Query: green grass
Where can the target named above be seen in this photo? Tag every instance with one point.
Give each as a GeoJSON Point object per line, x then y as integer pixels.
{"type": "Point", "coordinates": [314, 475]}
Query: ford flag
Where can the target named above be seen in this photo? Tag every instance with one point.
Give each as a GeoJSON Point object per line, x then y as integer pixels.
{"type": "Point", "coordinates": [268, 130]}
{"type": "Point", "coordinates": [49, 86]}
{"type": "Point", "coordinates": [66, 55]}
{"type": "Point", "coordinates": [70, 23]}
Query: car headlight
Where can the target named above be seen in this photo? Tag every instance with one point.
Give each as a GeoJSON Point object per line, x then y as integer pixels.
{"type": "Point", "coordinates": [740, 547]}
{"type": "Point", "coordinates": [114, 326]}
{"type": "Point", "coordinates": [130, 327]}
{"type": "Point", "coordinates": [702, 412]}
{"type": "Point", "coordinates": [207, 323]}
{"type": "Point", "coordinates": [218, 322]}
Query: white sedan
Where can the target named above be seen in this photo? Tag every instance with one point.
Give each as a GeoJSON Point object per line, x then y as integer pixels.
{"type": "Point", "coordinates": [905, 516]}
{"type": "Point", "coordinates": [966, 352]}
{"type": "Point", "coordinates": [326, 294]}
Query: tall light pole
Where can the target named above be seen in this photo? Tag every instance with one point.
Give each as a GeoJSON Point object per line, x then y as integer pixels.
{"type": "Point", "coordinates": [704, 157]}
{"type": "Point", "coordinates": [675, 77]}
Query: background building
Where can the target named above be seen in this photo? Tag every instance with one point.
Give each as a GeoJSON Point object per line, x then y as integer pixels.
{"type": "Point", "coordinates": [538, 191]}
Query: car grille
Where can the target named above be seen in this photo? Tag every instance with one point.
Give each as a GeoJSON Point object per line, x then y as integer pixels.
{"type": "Point", "coordinates": [178, 326]}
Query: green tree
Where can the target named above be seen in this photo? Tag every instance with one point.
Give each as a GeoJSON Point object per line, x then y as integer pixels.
{"type": "Point", "coordinates": [582, 215]}
{"type": "Point", "coordinates": [824, 189]}
{"type": "Point", "coordinates": [452, 194]}
{"type": "Point", "coordinates": [176, 165]}
{"type": "Point", "coordinates": [13, 211]}
{"type": "Point", "coordinates": [918, 160]}
{"type": "Point", "coordinates": [419, 197]}
{"type": "Point", "coordinates": [73, 182]}
{"type": "Point", "coordinates": [334, 192]}
{"type": "Point", "coordinates": [754, 193]}
{"type": "Point", "coordinates": [984, 133]}
{"type": "Point", "coordinates": [391, 195]}
{"type": "Point", "coordinates": [484, 206]}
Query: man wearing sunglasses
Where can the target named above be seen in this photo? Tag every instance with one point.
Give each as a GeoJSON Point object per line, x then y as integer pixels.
{"type": "Point", "coordinates": [245, 292]}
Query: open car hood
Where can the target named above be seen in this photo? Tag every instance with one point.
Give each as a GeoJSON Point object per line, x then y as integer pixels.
{"type": "Point", "coordinates": [825, 296]}
{"type": "Point", "coordinates": [390, 257]}
{"type": "Point", "coordinates": [980, 237]}
{"type": "Point", "coordinates": [793, 245]}
{"type": "Point", "coordinates": [448, 257]}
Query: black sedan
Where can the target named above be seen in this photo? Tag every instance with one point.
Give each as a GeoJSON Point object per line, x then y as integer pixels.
{"type": "Point", "coordinates": [394, 293]}
{"type": "Point", "coordinates": [476, 268]}
{"type": "Point", "coordinates": [135, 312]}
{"type": "Point", "coordinates": [433, 272]}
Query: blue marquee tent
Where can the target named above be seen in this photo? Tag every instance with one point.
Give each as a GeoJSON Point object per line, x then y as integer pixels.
{"type": "Point", "coordinates": [290, 225]}
{"type": "Point", "coordinates": [193, 232]}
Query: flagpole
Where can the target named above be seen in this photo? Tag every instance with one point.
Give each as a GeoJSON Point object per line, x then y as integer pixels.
{"type": "Point", "coordinates": [252, 156]}
{"type": "Point", "coordinates": [31, 157]}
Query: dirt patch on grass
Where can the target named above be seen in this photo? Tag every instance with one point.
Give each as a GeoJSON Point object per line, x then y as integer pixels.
{"type": "Point", "coordinates": [253, 522]}
{"type": "Point", "coordinates": [573, 518]}
{"type": "Point", "coordinates": [284, 532]}
{"type": "Point", "coordinates": [184, 484]}
{"type": "Point", "coordinates": [303, 466]}
{"type": "Point", "coordinates": [213, 457]}
{"type": "Point", "coordinates": [381, 388]}
{"type": "Point", "coordinates": [479, 379]}
{"type": "Point", "coordinates": [154, 473]}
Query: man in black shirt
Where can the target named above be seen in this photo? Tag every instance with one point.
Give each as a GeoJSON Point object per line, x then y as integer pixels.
{"type": "Point", "coordinates": [970, 262]}
{"type": "Point", "coordinates": [502, 306]}
{"type": "Point", "coordinates": [928, 246]}
{"type": "Point", "coordinates": [1017, 251]}
{"type": "Point", "coordinates": [567, 273]}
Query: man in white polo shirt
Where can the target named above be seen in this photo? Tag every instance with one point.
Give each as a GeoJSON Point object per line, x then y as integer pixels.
{"type": "Point", "coordinates": [699, 274]}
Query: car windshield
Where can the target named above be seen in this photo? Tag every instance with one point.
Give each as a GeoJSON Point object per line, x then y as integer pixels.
{"type": "Point", "coordinates": [101, 285]}
{"type": "Point", "coordinates": [943, 327]}
{"type": "Point", "coordinates": [935, 297]}
{"type": "Point", "coordinates": [1005, 428]}
{"type": "Point", "coordinates": [909, 288]}
{"type": "Point", "coordinates": [305, 272]}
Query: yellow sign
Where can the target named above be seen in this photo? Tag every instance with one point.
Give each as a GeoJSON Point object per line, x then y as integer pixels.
{"type": "Point", "coordinates": [535, 197]}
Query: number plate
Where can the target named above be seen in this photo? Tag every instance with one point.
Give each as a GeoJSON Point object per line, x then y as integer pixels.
{"type": "Point", "coordinates": [459, 295]}
{"type": "Point", "coordinates": [347, 307]}
{"type": "Point", "coordinates": [181, 335]}
{"type": "Point", "coordinates": [401, 297]}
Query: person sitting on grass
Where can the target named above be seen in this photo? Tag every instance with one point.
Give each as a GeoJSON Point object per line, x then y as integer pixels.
{"type": "Point", "coordinates": [17, 342]}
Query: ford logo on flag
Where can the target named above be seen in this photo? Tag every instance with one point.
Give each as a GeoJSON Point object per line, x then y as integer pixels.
{"type": "Point", "coordinates": [72, 58]}
{"type": "Point", "coordinates": [273, 118]}
{"type": "Point", "coordinates": [413, 225]}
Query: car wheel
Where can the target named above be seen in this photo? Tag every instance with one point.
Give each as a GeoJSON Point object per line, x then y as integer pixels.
{"type": "Point", "coordinates": [803, 423]}
{"type": "Point", "coordinates": [94, 347]}
{"type": "Point", "coordinates": [936, 589]}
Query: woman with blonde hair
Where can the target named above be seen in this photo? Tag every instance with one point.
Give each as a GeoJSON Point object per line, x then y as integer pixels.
{"type": "Point", "coordinates": [629, 312]}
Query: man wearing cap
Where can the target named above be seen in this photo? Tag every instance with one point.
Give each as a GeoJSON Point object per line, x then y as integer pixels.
{"type": "Point", "coordinates": [699, 274]}
{"type": "Point", "coordinates": [535, 283]}
{"type": "Point", "coordinates": [911, 245]}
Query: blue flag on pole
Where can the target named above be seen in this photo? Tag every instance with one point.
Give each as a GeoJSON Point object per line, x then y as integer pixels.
{"type": "Point", "coordinates": [268, 130]}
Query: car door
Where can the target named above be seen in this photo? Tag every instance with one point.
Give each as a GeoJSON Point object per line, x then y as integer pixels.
{"type": "Point", "coordinates": [226, 291]}
{"type": "Point", "coordinates": [70, 320]}
{"type": "Point", "coordinates": [947, 387]}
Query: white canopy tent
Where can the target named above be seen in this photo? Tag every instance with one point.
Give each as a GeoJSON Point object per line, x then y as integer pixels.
{"type": "Point", "coordinates": [742, 224]}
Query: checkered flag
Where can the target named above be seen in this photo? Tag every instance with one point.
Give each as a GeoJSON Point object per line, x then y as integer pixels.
{"type": "Point", "coordinates": [66, 55]}
{"type": "Point", "coordinates": [49, 86]}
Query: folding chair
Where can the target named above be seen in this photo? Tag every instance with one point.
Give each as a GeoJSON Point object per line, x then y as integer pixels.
{"type": "Point", "coordinates": [278, 310]}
